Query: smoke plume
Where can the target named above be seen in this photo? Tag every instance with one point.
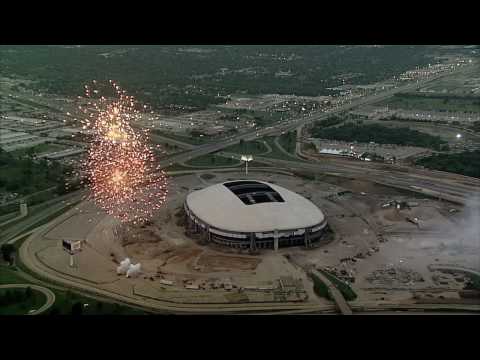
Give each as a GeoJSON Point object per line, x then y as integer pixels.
{"type": "Point", "coordinates": [124, 266]}
{"type": "Point", "coordinates": [469, 225]}
{"type": "Point", "coordinates": [133, 270]}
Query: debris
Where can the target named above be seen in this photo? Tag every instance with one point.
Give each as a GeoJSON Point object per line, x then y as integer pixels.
{"type": "Point", "coordinates": [394, 275]}
{"type": "Point", "coordinates": [166, 282]}
{"type": "Point", "coordinates": [413, 221]}
{"type": "Point", "coordinates": [192, 287]}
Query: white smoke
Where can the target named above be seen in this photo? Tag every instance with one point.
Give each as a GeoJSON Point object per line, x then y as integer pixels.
{"type": "Point", "coordinates": [462, 235]}
{"type": "Point", "coordinates": [469, 229]}
{"type": "Point", "coordinates": [133, 270]}
{"type": "Point", "coordinates": [124, 266]}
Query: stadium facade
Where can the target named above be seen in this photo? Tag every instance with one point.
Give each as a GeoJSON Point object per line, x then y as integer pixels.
{"type": "Point", "coordinates": [253, 214]}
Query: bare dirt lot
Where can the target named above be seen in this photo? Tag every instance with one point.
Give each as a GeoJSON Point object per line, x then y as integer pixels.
{"type": "Point", "coordinates": [212, 263]}
{"type": "Point", "coordinates": [385, 254]}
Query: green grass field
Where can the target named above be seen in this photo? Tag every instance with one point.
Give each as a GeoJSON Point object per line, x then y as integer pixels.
{"type": "Point", "coordinates": [177, 167]}
{"type": "Point", "coordinates": [185, 139]}
{"type": "Point", "coordinates": [35, 301]}
{"type": "Point", "coordinates": [256, 164]}
{"type": "Point", "coordinates": [288, 141]}
{"type": "Point", "coordinates": [38, 149]}
{"type": "Point", "coordinates": [276, 153]}
{"type": "Point", "coordinates": [320, 288]}
{"type": "Point", "coordinates": [64, 300]}
{"type": "Point", "coordinates": [346, 290]}
{"type": "Point", "coordinates": [248, 147]}
{"type": "Point", "coordinates": [466, 163]}
{"type": "Point", "coordinates": [212, 160]}
{"type": "Point", "coordinates": [8, 275]}
{"type": "Point", "coordinates": [433, 103]}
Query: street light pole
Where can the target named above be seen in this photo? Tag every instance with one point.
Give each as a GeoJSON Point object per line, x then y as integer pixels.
{"type": "Point", "coordinates": [246, 158]}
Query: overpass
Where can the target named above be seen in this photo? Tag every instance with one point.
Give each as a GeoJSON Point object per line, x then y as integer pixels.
{"type": "Point", "coordinates": [299, 122]}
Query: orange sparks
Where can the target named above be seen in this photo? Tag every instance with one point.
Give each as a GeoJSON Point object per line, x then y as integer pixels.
{"type": "Point", "coordinates": [120, 166]}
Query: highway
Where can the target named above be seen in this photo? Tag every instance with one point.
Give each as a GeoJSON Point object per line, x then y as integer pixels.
{"type": "Point", "coordinates": [33, 218]}
{"type": "Point", "coordinates": [456, 188]}
{"type": "Point", "coordinates": [295, 123]}
{"type": "Point", "coordinates": [167, 307]}
{"type": "Point", "coordinates": [451, 189]}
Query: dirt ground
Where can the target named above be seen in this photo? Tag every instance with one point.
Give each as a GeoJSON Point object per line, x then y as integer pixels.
{"type": "Point", "coordinates": [390, 254]}
{"type": "Point", "coordinates": [212, 263]}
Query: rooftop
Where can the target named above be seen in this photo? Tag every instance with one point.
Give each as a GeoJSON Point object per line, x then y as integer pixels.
{"type": "Point", "coordinates": [253, 206]}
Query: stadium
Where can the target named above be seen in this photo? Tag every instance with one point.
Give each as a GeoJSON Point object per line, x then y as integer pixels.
{"type": "Point", "coordinates": [253, 214]}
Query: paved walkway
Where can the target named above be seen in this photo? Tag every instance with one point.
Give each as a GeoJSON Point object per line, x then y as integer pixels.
{"type": "Point", "coordinates": [50, 296]}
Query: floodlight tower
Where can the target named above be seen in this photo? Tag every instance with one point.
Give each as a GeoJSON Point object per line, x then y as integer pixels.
{"type": "Point", "coordinates": [246, 158]}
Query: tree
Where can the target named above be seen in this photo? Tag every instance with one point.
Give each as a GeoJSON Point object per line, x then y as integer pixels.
{"type": "Point", "coordinates": [242, 144]}
{"type": "Point", "coordinates": [12, 186]}
{"type": "Point", "coordinates": [28, 293]}
{"type": "Point", "coordinates": [7, 251]}
{"type": "Point", "coordinates": [17, 296]}
{"type": "Point", "coordinates": [77, 309]}
{"type": "Point", "coordinates": [30, 152]}
{"type": "Point", "coordinates": [54, 311]}
{"type": "Point", "coordinates": [99, 306]}
{"type": "Point", "coordinates": [116, 308]}
{"type": "Point", "coordinates": [9, 297]}
{"type": "Point", "coordinates": [69, 296]}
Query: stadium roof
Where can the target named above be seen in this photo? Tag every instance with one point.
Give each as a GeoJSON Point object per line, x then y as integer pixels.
{"type": "Point", "coordinates": [253, 206]}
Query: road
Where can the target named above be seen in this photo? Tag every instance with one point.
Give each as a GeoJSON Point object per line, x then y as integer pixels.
{"type": "Point", "coordinates": [32, 219]}
{"type": "Point", "coordinates": [49, 295]}
{"type": "Point", "coordinates": [88, 289]}
{"type": "Point", "coordinates": [336, 294]}
{"type": "Point", "coordinates": [16, 218]}
{"type": "Point", "coordinates": [450, 188]}
{"type": "Point", "coordinates": [295, 123]}
{"type": "Point", "coordinates": [159, 139]}
{"type": "Point", "coordinates": [33, 264]}
{"type": "Point", "coordinates": [433, 308]}
{"type": "Point", "coordinates": [401, 179]}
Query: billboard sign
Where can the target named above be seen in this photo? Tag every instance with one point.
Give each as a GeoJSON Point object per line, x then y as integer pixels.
{"type": "Point", "coordinates": [72, 246]}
